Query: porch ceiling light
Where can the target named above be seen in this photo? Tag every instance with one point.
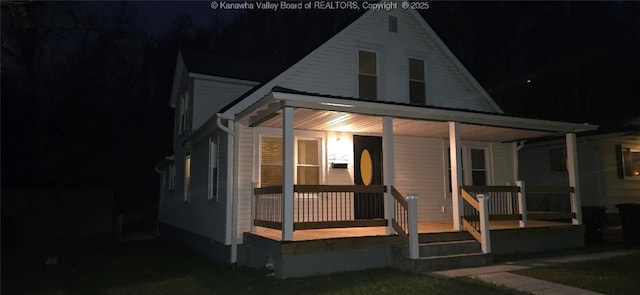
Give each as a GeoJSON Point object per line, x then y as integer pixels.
{"type": "Point", "coordinates": [336, 104]}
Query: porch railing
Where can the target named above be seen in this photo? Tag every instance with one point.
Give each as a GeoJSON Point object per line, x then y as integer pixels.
{"type": "Point", "coordinates": [525, 203]}
{"type": "Point", "coordinates": [502, 203]}
{"type": "Point", "coordinates": [549, 203]}
{"type": "Point", "coordinates": [475, 218]}
{"type": "Point", "coordinates": [322, 206]}
{"type": "Point", "coordinates": [400, 222]}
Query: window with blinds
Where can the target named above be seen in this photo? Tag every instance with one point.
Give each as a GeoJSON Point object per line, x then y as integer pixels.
{"type": "Point", "coordinates": [271, 161]}
{"type": "Point", "coordinates": [307, 163]}
{"type": "Point", "coordinates": [308, 168]}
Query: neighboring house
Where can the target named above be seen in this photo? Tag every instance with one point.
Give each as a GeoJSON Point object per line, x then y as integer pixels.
{"type": "Point", "coordinates": [306, 166]}
{"type": "Point", "coordinates": [609, 168]}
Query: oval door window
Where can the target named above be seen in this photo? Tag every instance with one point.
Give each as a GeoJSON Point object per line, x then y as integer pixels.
{"type": "Point", "coordinates": [366, 167]}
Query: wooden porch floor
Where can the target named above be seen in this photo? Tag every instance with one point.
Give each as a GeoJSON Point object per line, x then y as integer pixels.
{"type": "Point", "coordinates": [423, 227]}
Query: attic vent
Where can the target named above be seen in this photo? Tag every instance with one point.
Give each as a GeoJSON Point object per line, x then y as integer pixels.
{"type": "Point", "coordinates": [393, 24]}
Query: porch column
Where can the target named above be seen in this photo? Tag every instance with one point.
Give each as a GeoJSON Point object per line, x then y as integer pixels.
{"type": "Point", "coordinates": [287, 174]}
{"type": "Point", "coordinates": [456, 172]}
{"type": "Point", "coordinates": [388, 171]}
{"type": "Point", "coordinates": [574, 179]}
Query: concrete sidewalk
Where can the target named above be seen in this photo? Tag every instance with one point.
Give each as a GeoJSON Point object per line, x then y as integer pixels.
{"type": "Point", "coordinates": [499, 274]}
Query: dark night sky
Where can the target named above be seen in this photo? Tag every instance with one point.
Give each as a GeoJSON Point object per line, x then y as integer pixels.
{"type": "Point", "coordinates": [582, 61]}
{"type": "Point", "coordinates": [573, 61]}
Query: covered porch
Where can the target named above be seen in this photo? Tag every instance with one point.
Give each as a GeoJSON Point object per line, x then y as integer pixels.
{"type": "Point", "coordinates": [295, 212]}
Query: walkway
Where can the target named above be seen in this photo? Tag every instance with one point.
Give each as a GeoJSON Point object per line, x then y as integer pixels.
{"type": "Point", "coordinates": [499, 274]}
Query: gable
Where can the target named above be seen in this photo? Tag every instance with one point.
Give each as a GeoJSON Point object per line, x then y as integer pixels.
{"type": "Point", "coordinates": [332, 68]}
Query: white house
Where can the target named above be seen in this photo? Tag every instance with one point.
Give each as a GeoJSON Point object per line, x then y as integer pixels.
{"type": "Point", "coordinates": [311, 166]}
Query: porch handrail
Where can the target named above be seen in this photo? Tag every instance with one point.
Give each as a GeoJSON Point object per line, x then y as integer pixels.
{"type": "Point", "coordinates": [400, 222]}
{"type": "Point", "coordinates": [503, 204]}
{"type": "Point", "coordinates": [476, 218]}
{"type": "Point", "coordinates": [405, 221]}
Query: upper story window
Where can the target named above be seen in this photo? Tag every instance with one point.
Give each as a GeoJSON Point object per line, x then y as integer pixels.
{"type": "Point", "coordinates": [184, 113]}
{"type": "Point", "coordinates": [367, 75]}
{"type": "Point", "coordinates": [417, 84]}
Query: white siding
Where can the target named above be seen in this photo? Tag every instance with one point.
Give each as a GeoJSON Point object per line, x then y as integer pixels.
{"type": "Point", "coordinates": [616, 190]}
{"type": "Point", "coordinates": [245, 156]}
{"type": "Point", "coordinates": [210, 96]}
{"type": "Point", "coordinates": [535, 166]}
{"type": "Point", "coordinates": [419, 165]}
{"type": "Point", "coordinates": [503, 164]}
{"type": "Point", "coordinates": [200, 215]}
{"type": "Point", "coordinates": [332, 69]}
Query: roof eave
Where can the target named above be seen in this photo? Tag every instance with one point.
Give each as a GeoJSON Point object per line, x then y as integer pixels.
{"type": "Point", "coordinates": [420, 113]}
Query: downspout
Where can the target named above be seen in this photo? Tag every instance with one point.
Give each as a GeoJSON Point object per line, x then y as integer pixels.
{"type": "Point", "coordinates": [520, 145]}
{"type": "Point", "coordinates": [231, 191]}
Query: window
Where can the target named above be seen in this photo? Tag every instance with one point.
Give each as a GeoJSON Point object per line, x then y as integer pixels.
{"type": "Point", "coordinates": [307, 163]}
{"type": "Point", "coordinates": [417, 83]}
{"type": "Point", "coordinates": [478, 172]}
{"type": "Point", "coordinates": [628, 162]}
{"type": "Point", "coordinates": [478, 167]}
{"type": "Point", "coordinates": [213, 170]}
{"type": "Point", "coordinates": [184, 112]}
{"type": "Point", "coordinates": [187, 178]}
{"type": "Point", "coordinates": [308, 168]}
{"type": "Point", "coordinates": [270, 161]}
{"type": "Point", "coordinates": [367, 75]}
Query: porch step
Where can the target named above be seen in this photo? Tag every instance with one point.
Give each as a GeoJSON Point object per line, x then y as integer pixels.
{"type": "Point", "coordinates": [444, 237]}
{"type": "Point", "coordinates": [442, 251]}
{"type": "Point", "coordinates": [434, 263]}
{"type": "Point", "coordinates": [449, 248]}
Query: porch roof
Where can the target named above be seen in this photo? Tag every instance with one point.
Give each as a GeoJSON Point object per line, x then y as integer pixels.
{"type": "Point", "coordinates": [341, 114]}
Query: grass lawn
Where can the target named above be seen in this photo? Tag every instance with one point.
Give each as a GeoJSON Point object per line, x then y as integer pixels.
{"type": "Point", "coordinates": [618, 275]}
{"type": "Point", "coordinates": [157, 267]}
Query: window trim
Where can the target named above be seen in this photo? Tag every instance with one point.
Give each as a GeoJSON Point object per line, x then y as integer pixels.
{"type": "Point", "coordinates": [424, 81]}
{"type": "Point", "coordinates": [467, 174]}
{"type": "Point", "coordinates": [318, 140]}
{"type": "Point", "coordinates": [298, 134]}
{"type": "Point", "coordinates": [378, 75]}
{"type": "Point", "coordinates": [260, 161]}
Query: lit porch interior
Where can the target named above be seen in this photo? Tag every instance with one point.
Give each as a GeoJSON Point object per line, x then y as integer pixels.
{"type": "Point", "coordinates": [339, 115]}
